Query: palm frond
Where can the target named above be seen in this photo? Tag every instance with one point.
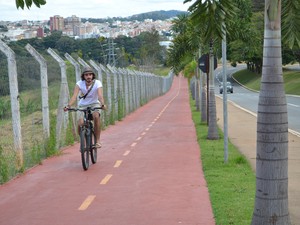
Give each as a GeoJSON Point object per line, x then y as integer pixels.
{"type": "Point", "coordinates": [291, 22]}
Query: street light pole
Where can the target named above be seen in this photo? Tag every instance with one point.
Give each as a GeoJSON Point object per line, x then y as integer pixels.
{"type": "Point", "coordinates": [225, 116]}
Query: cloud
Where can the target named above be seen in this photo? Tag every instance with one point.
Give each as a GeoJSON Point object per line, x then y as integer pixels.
{"type": "Point", "coordinates": [87, 9]}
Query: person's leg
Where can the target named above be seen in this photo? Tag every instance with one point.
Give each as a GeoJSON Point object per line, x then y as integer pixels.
{"type": "Point", "coordinates": [97, 126]}
{"type": "Point", "coordinates": [79, 124]}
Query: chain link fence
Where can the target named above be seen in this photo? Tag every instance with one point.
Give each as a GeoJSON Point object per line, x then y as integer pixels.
{"type": "Point", "coordinates": [35, 88]}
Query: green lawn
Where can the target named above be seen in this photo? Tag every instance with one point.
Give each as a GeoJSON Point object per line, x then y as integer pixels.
{"type": "Point", "coordinates": [231, 186]}
{"type": "Point", "coordinates": [252, 80]}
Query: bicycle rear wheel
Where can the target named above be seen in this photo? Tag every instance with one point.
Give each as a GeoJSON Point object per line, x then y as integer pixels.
{"type": "Point", "coordinates": [93, 148]}
{"type": "Point", "coordinates": [84, 149]}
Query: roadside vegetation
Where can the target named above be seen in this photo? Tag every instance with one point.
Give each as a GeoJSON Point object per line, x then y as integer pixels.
{"type": "Point", "coordinates": [232, 186]}
{"type": "Point", "coordinates": [252, 80]}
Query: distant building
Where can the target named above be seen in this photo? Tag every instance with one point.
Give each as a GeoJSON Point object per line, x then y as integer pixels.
{"type": "Point", "coordinates": [85, 30]}
{"type": "Point", "coordinates": [40, 32]}
{"type": "Point", "coordinates": [71, 24]}
{"type": "Point", "coordinates": [29, 34]}
{"type": "Point", "coordinates": [57, 23]}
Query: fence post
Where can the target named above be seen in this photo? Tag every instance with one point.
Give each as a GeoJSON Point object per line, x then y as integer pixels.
{"type": "Point", "coordinates": [126, 91]}
{"type": "Point", "coordinates": [98, 68]}
{"type": "Point", "coordinates": [15, 105]}
{"type": "Point", "coordinates": [108, 90]}
{"type": "Point", "coordinates": [115, 91]}
{"type": "Point", "coordinates": [99, 71]}
{"type": "Point", "coordinates": [131, 91]}
{"type": "Point", "coordinates": [44, 85]}
{"type": "Point", "coordinates": [76, 65]}
{"type": "Point", "coordinates": [62, 117]}
{"type": "Point", "coordinates": [77, 77]}
{"type": "Point", "coordinates": [83, 63]}
{"type": "Point", "coordinates": [121, 93]}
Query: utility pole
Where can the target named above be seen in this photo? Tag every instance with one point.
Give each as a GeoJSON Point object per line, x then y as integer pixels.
{"type": "Point", "coordinates": [111, 56]}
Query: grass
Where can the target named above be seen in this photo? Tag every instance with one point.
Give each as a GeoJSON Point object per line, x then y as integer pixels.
{"type": "Point", "coordinates": [252, 80]}
{"type": "Point", "coordinates": [232, 185]}
{"type": "Point", "coordinates": [291, 82]}
{"type": "Point", "coordinates": [162, 71]}
{"type": "Point", "coordinates": [248, 78]}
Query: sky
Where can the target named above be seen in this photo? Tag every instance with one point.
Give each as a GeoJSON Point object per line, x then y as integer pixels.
{"type": "Point", "coordinates": [86, 8]}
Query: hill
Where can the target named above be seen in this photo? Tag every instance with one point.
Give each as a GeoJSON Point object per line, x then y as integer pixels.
{"type": "Point", "coordinates": [157, 15]}
{"type": "Point", "coordinates": [154, 15]}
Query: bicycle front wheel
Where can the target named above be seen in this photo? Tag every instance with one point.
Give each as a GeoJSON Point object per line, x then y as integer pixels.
{"type": "Point", "coordinates": [93, 148]}
{"type": "Point", "coordinates": [84, 149]}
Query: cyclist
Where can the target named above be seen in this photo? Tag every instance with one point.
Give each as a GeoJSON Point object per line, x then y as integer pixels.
{"type": "Point", "coordinates": [91, 95]}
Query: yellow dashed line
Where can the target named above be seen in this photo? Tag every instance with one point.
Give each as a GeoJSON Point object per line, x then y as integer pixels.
{"type": "Point", "coordinates": [87, 202]}
{"type": "Point", "coordinates": [106, 179]}
{"type": "Point", "coordinates": [139, 138]}
{"type": "Point", "coordinates": [126, 153]}
{"type": "Point", "coordinates": [133, 144]}
{"type": "Point", "coordinates": [118, 163]}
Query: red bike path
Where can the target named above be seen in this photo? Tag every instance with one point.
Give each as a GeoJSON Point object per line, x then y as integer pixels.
{"type": "Point", "coordinates": [148, 172]}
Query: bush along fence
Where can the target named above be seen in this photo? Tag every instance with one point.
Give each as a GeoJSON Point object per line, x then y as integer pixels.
{"type": "Point", "coordinates": [33, 124]}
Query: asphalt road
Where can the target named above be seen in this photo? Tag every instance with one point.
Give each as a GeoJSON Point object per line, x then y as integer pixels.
{"type": "Point", "coordinates": [249, 99]}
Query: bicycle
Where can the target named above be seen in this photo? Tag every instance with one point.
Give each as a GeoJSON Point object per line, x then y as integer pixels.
{"type": "Point", "coordinates": [87, 137]}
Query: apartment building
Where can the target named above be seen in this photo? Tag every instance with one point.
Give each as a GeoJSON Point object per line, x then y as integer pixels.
{"type": "Point", "coordinates": [57, 23]}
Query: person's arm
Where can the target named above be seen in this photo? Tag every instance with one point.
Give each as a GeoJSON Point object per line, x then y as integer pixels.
{"type": "Point", "coordinates": [100, 97]}
{"type": "Point", "coordinates": [73, 98]}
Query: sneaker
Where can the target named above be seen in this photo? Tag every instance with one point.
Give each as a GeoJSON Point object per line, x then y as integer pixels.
{"type": "Point", "coordinates": [98, 145]}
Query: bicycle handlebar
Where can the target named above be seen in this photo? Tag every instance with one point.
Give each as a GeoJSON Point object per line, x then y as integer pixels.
{"type": "Point", "coordinates": [85, 110]}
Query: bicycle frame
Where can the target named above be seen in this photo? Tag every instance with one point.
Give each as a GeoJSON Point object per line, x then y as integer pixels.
{"type": "Point", "coordinates": [87, 137]}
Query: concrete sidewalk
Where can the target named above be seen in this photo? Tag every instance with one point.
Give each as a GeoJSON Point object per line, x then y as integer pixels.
{"type": "Point", "coordinates": [242, 133]}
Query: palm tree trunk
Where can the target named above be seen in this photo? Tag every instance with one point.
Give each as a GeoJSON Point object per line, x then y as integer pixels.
{"type": "Point", "coordinates": [271, 200]}
{"type": "Point", "coordinates": [203, 98]}
{"type": "Point", "coordinates": [197, 91]}
{"type": "Point", "coordinates": [213, 133]}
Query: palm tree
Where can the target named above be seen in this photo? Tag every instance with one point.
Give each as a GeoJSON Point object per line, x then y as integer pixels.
{"type": "Point", "coordinates": [271, 199]}
{"type": "Point", "coordinates": [210, 16]}
{"type": "Point", "coordinates": [271, 202]}
{"type": "Point", "coordinates": [180, 52]}
{"type": "Point", "coordinates": [186, 46]}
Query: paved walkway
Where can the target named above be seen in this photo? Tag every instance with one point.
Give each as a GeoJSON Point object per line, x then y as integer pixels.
{"type": "Point", "coordinates": [148, 172]}
{"type": "Point", "coordinates": [242, 133]}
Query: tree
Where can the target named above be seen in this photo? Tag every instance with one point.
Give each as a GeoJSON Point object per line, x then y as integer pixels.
{"type": "Point", "coordinates": [210, 17]}
{"type": "Point", "coordinates": [51, 40]}
{"type": "Point", "coordinates": [150, 52]}
{"type": "Point", "coordinates": [271, 199]}
{"type": "Point", "coordinates": [247, 47]}
{"type": "Point", "coordinates": [187, 46]}
{"type": "Point", "coordinates": [22, 3]}
{"type": "Point", "coordinates": [65, 44]}
{"type": "Point", "coordinates": [181, 52]}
